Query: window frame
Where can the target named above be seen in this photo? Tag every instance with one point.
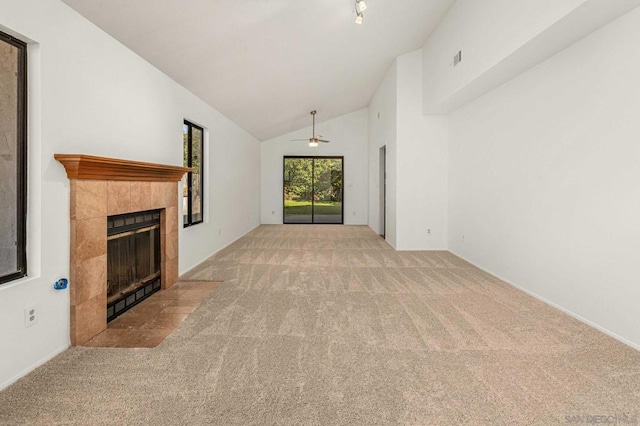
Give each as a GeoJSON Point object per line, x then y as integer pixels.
{"type": "Point", "coordinates": [190, 221]}
{"type": "Point", "coordinates": [21, 157]}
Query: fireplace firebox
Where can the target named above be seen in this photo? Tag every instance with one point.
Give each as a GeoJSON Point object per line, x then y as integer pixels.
{"type": "Point", "coordinates": [133, 260]}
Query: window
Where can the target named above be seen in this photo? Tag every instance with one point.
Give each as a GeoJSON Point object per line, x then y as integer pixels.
{"type": "Point", "coordinates": [192, 202]}
{"type": "Point", "coordinates": [13, 164]}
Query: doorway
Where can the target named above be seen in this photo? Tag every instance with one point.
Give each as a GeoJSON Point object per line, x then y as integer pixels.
{"type": "Point", "coordinates": [313, 190]}
{"type": "Point", "coordinates": [382, 185]}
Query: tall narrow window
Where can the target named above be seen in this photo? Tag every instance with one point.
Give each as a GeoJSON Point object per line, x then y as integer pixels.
{"type": "Point", "coordinates": [13, 155]}
{"type": "Point", "coordinates": [192, 201]}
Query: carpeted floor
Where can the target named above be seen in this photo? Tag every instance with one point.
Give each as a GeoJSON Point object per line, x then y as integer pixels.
{"type": "Point", "coordinates": [329, 325]}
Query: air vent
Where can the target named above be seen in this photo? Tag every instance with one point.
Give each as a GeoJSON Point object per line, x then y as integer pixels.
{"type": "Point", "coordinates": [458, 58]}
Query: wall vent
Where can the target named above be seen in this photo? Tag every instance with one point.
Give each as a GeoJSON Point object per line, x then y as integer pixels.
{"type": "Point", "coordinates": [458, 58]}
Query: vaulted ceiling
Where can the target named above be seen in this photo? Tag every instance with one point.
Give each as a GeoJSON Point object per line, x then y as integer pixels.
{"type": "Point", "coordinates": [266, 64]}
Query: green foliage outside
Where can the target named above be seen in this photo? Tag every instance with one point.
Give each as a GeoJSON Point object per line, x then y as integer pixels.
{"type": "Point", "coordinates": [196, 166]}
{"type": "Point", "coordinates": [196, 142]}
{"type": "Point", "coordinates": [299, 184]}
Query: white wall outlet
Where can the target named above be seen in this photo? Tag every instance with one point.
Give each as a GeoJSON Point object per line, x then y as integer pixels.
{"type": "Point", "coordinates": [30, 316]}
{"type": "Point", "coordinates": [273, 212]}
{"type": "Point", "coordinates": [464, 238]}
{"type": "Point", "coordinates": [219, 231]}
{"type": "Point", "coordinates": [429, 231]}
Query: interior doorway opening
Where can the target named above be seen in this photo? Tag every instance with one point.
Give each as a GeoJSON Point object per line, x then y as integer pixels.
{"type": "Point", "coordinates": [383, 191]}
{"type": "Point", "coordinates": [313, 190]}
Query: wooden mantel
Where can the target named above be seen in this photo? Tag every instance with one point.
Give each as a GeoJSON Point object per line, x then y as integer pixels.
{"type": "Point", "coordinates": [79, 166]}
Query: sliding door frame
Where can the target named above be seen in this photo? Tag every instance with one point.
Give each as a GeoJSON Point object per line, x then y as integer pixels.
{"type": "Point", "coordinates": [313, 189]}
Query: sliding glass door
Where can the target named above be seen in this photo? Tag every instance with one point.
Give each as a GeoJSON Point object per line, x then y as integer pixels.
{"type": "Point", "coordinates": [313, 190]}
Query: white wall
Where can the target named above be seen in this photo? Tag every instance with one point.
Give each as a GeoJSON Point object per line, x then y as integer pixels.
{"type": "Point", "coordinates": [90, 95]}
{"type": "Point", "coordinates": [233, 202]}
{"type": "Point", "coordinates": [348, 136]}
{"type": "Point", "coordinates": [500, 40]}
{"type": "Point", "coordinates": [421, 164]}
{"type": "Point", "coordinates": [416, 216]}
{"type": "Point", "coordinates": [383, 132]}
{"type": "Point", "coordinates": [487, 32]}
{"type": "Point", "coordinates": [544, 180]}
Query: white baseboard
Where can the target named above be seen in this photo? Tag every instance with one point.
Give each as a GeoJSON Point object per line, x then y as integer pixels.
{"type": "Point", "coordinates": [28, 370]}
{"type": "Point", "coordinates": [580, 318]}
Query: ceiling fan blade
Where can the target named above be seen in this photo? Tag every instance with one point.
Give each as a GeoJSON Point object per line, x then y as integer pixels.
{"type": "Point", "coordinates": [322, 140]}
{"type": "Point", "coordinates": [300, 140]}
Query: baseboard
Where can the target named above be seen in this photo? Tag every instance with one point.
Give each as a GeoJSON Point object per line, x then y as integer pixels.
{"type": "Point", "coordinates": [423, 249]}
{"type": "Point", "coordinates": [554, 305]}
{"type": "Point", "coordinates": [215, 252]}
{"type": "Point", "coordinates": [28, 370]}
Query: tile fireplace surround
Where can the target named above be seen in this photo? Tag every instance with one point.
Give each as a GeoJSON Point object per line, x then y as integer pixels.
{"type": "Point", "coordinates": [102, 187]}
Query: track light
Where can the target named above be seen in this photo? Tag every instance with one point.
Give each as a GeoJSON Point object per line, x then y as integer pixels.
{"type": "Point", "coordinates": [361, 6]}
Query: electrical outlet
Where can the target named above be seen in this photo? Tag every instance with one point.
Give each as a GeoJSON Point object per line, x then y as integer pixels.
{"type": "Point", "coordinates": [429, 231]}
{"type": "Point", "coordinates": [464, 238]}
{"type": "Point", "coordinates": [218, 231]}
{"type": "Point", "coordinates": [30, 316]}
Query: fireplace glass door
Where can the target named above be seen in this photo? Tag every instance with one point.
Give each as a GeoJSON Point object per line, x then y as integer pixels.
{"type": "Point", "coordinates": [133, 260]}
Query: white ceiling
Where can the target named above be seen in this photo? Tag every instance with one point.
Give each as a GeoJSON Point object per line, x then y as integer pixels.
{"type": "Point", "coordinates": [266, 63]}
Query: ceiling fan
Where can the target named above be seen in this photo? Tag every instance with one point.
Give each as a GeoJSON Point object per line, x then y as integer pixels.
{"type": "Point", "coordinates": [314, 139]}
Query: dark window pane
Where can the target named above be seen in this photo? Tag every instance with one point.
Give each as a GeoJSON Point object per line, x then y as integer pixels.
{"type": "Point", "coordinates": [298, 190]}
{"type": "Point", "coordinates": [185, 184]}
{"type": "Point", "coordinates": [193, 195]}
{"type": "Point", "coordinates": [12, 171]}
{"type": "Point", "coordinates": [196, 164]}
{"type": "Point", "coordinates": [328, 190]}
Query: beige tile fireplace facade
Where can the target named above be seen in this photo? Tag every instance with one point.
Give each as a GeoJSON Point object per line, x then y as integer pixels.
{"type": "Point", "coordinates": [102, 187]}
{"type": "Point", "coordinates": [91, 202]}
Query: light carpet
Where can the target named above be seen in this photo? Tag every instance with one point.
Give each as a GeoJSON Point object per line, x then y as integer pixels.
{"type": "Point", "coordinates": [328, 325]}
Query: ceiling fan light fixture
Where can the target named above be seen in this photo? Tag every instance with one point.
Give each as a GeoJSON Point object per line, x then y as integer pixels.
{"type": "Point", "coordinates": [315, 138]}
{"type": "Point", "coordinates": [359, 17]}
{"type": "Point", "coordinates": [361, 5]}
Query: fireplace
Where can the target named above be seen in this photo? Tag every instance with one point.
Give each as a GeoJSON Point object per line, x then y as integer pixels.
{"type": "Point", "coordinates": [100, 190]}
{"type": "Point", "coordinates": [133, 260]}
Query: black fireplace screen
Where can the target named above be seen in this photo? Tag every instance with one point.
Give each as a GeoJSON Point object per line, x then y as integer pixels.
{"type": "Point", "coordinates": [133, 260]}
